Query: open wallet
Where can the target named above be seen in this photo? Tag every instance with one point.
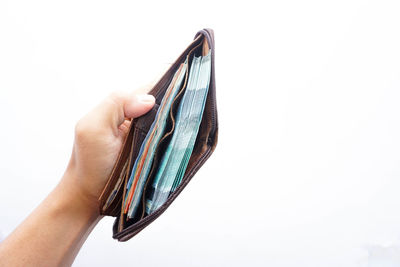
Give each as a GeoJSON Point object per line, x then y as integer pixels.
{"type": "Point", "coordinates": [165, 147]}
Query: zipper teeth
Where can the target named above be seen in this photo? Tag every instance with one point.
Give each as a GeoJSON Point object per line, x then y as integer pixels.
{"type": "Point", "coordinates": [213, 103]}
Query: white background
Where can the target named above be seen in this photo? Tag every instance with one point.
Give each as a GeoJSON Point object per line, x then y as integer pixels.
{"type": "Point", "coordinates": [306, 172]}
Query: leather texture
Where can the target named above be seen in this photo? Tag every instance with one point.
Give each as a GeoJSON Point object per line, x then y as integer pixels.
{"type": "Point", "coordinates": [206, 142]}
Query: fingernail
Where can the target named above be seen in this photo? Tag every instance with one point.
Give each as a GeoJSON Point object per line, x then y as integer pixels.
{"type": "Point", "coordinates": [146, 98]}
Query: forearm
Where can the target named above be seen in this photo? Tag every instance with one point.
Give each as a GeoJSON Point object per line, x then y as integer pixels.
{"type": "Point", "coordinates": [53, 234]}
{"type": "Point", "coordinates": [55, 231]}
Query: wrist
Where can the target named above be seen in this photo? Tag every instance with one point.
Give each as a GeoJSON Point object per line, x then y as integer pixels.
{"type": "Point", "coordinates": [70, 196]}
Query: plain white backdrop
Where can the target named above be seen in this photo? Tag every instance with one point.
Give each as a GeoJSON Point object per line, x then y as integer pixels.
{"type": "Point", "coordinates": [307, 169]}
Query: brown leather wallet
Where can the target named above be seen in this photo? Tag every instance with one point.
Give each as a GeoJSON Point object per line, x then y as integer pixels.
{"type": "Point", "coordinates": [112, 197]}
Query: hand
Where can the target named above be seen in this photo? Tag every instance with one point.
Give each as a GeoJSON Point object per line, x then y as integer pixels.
{"type": "Point", "coordinates": [62, 222]}
{"type": "Point", "coordinates": [98, 139]}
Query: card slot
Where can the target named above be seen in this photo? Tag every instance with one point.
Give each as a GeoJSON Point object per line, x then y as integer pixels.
{"type": "Point", "coordinates": [114, 210]}
{"type": "Point", "coordinates": [115, 194]}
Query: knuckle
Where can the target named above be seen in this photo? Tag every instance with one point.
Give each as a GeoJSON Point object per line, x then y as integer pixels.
{"type": "Point", "coordinates": [79, 128]}
{"type": "Point", "coordinates": [82, 130]}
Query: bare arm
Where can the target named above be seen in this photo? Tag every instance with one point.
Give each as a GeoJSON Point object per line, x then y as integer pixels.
{"type": "Point", "coordinates": [55, 231]}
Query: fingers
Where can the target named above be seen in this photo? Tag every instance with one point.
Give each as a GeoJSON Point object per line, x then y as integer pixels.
{"type": "Point", "coordinates": [124, 127]}
{"type": "Point", "coordinates": [113, 111]}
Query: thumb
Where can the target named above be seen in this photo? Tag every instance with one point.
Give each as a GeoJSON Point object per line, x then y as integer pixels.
{"type": "Point", "coordinates": [138, 104]}
{"type": "Point", "coordinates": [118, 106]}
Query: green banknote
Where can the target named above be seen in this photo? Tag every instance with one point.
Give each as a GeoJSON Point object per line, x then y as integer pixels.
{"type": "Point", "coordinates": [143, 162]}
{"type": "Point", "coordinates": [176, 157]}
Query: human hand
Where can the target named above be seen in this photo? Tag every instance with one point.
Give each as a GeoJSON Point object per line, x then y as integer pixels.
{"type": "Point", "coordinates": [98, 139]}
{"type": "Point", "coordinates": [62, 222]}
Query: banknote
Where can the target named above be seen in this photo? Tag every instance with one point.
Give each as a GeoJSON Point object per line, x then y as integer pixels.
{"type": "Point", "coordinates": [143, 162]}
{"type": "Point", "coordinates": [176, 157]}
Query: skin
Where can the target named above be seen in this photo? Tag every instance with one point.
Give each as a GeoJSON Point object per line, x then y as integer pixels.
{"type": "Point", "coordinates": [54, 232]}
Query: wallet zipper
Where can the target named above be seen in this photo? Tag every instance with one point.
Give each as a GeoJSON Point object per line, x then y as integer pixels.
{"type": "Point", "coordinates": [213, 117]}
